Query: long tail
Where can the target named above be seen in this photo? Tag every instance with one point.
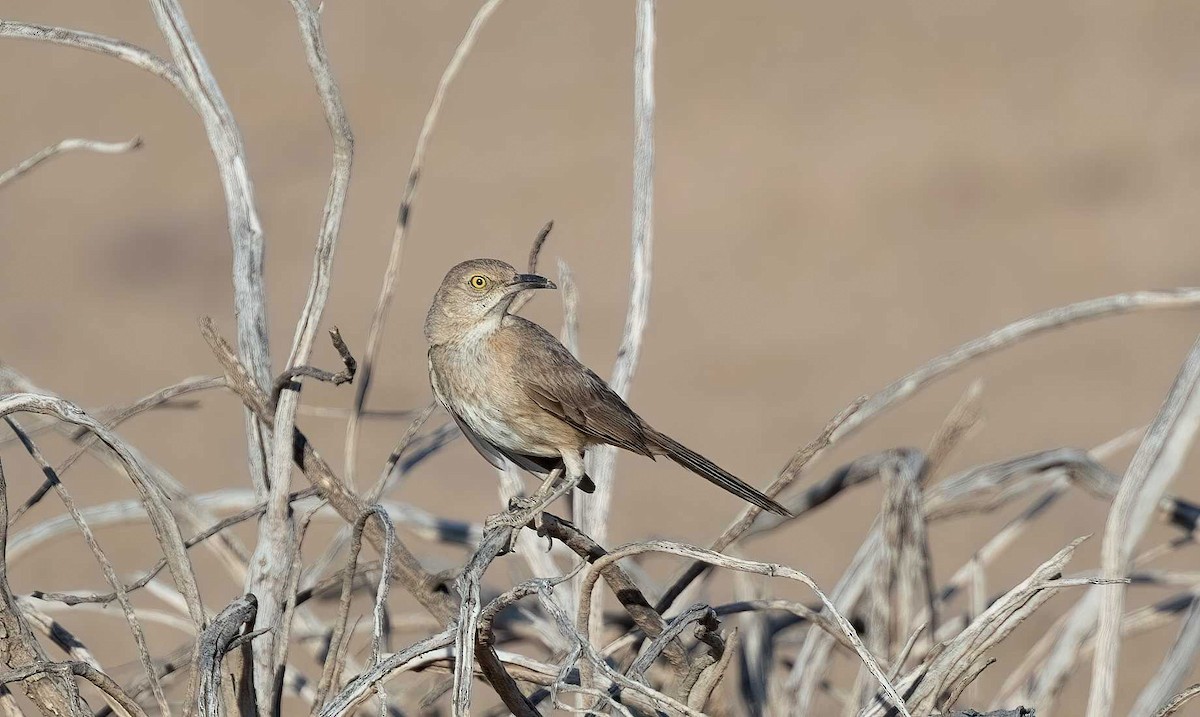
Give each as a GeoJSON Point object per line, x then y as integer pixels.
{"type": "Point", "coordinates": [701, 466]}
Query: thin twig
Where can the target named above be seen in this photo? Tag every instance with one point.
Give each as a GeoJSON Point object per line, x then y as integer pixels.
{"type": "Point", "coordinates": [535, 252]}
{"type": "Point", "coordinates": [106, 566]}
{"type": "Point", "coordinates": [20, 648]}
{"type": "Point", "coordinates": [1178, 701]}
{"type": "Point", "coordinates": [391, 274]}
{"type": "Point", "coordinates": [728, 562]}
{"type": "Point", "coordinates": [1153, 466]}
{"type": "Point", "coordinates": [1013, 333]}
{"type": "Point", "coordinates": [591, 511]}
{"type": "Point", "coordinates": [68, 145]}
{"type": "Point", "coordinates": [740, 525]}
{"type": "Point", "coordinates": [102, 682]}
{"type": "Point", "coordinates": [422, 585]}
{"type": "Point", "coordinates": [112, 47]}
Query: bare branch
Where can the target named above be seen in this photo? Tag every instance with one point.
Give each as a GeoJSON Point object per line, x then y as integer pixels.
{"type": "Point", "coordinates": [386, 292]}
{"type": "Point", "coordinates": [725, 561]}
{"type": "Point", "coordinates": [592, 510]}
{"type": "Point", "coordinates": [20, 648]}
{"type": "Point", "coordinates": [1176, 666]}
{"type": "Point", "coordinates": [1154, 464]}
{"type": "Point", "coordinates": [119, 49]}
{"type": "Point", "coordinates": [419, 582]}
{"type": "Point", "coordinates": [106, 566]}
{"type": "Point", "coordinates": [338, 645]}
{"type": "Point", "coordinates": [535, 251]}
{"type": "Point", "coordinates": [360, 687]}
{"type": "Point", "coordinates": [795, 466]}
{"type": "Point", "coordinates": [103, 682]}
{"type": "Point", "coordinates": [68, 145]}
{"type": "Point", "coordinates": [1013, 333]}
{"type": "Point", "coordinates": [1178, 701]}
{"type": "Point", "coordinates": [214, 642]}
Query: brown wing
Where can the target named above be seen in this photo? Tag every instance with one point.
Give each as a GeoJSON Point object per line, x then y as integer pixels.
{"type": "Point", "coordinates": [560, 385]}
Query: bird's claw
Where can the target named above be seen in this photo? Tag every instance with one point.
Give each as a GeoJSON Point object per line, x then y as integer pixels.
{"type": "Point", "coordinates": [522, 510]}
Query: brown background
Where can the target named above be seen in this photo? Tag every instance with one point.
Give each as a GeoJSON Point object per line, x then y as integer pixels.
{"type": "Point", "coordinates": [843, 191]}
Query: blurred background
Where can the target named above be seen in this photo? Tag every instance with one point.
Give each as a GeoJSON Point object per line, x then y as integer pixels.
{"type": "Point", "coordinates": [843, 191]}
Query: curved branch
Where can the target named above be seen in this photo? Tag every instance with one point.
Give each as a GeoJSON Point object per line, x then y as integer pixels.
{"type": "Point", "coordinates": [68, 145]}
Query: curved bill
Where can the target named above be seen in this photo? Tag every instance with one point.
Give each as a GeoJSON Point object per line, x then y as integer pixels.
{"type": "Point", "coordinates": [531, 281]}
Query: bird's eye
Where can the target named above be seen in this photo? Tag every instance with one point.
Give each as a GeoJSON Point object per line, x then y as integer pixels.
{"type": "Point", "coordinates": [478, 282]}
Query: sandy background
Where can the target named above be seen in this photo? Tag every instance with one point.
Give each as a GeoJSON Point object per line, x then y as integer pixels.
{"type": "Point", "coordinates": [843, 191]}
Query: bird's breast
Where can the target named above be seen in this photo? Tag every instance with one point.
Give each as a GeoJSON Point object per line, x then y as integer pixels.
{"type": "Point", "coordinates": [478, 384]}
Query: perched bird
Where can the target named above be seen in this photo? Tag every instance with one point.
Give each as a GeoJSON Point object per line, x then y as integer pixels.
{"type": "Point", "coordinates": [517, 393]}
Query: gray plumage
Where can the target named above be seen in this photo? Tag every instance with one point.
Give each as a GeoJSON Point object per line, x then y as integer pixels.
{"type": "Point", "coordinates": [517, 393]}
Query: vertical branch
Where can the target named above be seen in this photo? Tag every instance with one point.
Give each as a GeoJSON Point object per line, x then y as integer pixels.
{"type": "Point", "coordinates": [379, 317]}
{"type": "Point", "coordinates": [245, 230]}
{"type": "Point", "coordinates": [277, 541]}
{"type": "Point", "coordinates": [1153, 466]}
{"type": "Point", "coordinates": [593, 509]}
{"type": "Point", "coordinates": [339, 179]}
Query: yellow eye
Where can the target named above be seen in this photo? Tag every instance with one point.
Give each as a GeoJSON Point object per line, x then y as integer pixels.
{"type": "Point", "coordinates": [478, 282]}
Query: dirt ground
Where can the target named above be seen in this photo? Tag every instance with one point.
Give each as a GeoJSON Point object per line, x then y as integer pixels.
{"type": "Point", "coordinates": [843, 191]}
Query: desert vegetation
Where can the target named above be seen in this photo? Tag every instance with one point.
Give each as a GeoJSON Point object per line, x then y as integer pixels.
{"type": "Point", "coordinates": [587, 626]}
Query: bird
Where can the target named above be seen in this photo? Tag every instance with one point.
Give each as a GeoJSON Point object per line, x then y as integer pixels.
{"type": "Point", "coordinates": [518, 394]}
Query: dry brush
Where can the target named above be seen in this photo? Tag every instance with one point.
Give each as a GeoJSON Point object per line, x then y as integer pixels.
{"type": "Point", "coordinates": [667, 645]}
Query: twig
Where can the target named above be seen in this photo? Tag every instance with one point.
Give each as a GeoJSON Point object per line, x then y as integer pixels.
{"type": "Point", "coordinates": [214, 642]}
{"type": "Point", "coordinates": [309, 20]}
{"type": "Point", "coordinates": [535, 251]}
{"type": "Point", "coordinates": [622, 585]}
{"type": "Point", "coordinates": [725, 561]}
{"type": "Point", "coordinates": [112, 47]}
{"type": "Point", "coordinates": [692, 615]}
{"type": "Point", "coordinates": [338, 644]}
{"type": "Point", "coordinates": [1175, 667]}
{"type": "Point", "coordinates": [570, 304]}
{"type": "Point", "coordinates": [68, 145]}
{"type": "Point", "coordinates": [591, 512]}
{"type": "Point", "coordinates": [810, 664]}
{"type": "Point", "coordinates": [87, 440]}
{"type": "Point", "coordinates": [245, 231]}
{"type": "Point", "coordinates": [225, 523]}
{"type": "Point", "coordinates": [106, 566]}
{"type": "Point", "coordinates": [1153, 466]}
{"type": "Point", "coordinates": [594, 661]}
{"type": "Point", "coordinates": [286, 379]}
{"type": "Point", "coordinates": [707, 681]}
{"type": "Point", "coordinates": [740, 525]}
{"type": "Point", "coordinates": [387, 291]}
{"type": "Point", "coordinates": [947, 673]}
{"type": "Point", "coordinates": [401, 446]}
{"type": "Point", "coordinates": [1178, 701]}
{"type": "Point", "coordinates": [102, 682]}
{"type": "Point", "coordinates": [360, 687]}
{"type": "Point", "coordinates": [21, 649]}
{"type": "Point", "coordinates": [56, 632]}
{"type": "Point", "coordinates": [495, 541]}
{"type": "Point", "coordinates": [1014, 333]}
{"type": "Point", "coordinates": [277, 551]}
{"type": "Point", "coordinates": [420, 583]}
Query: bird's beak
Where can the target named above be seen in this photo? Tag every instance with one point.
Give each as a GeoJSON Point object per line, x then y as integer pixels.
{"type": "Point", "coordinates": [530, 281]}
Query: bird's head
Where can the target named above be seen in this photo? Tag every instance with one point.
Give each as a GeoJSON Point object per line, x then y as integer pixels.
{"type": "Point", "coordinates": [474, 296]}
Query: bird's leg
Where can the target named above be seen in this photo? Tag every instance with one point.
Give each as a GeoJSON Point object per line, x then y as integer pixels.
{"type": "Point", "coordinates": [522, 510]}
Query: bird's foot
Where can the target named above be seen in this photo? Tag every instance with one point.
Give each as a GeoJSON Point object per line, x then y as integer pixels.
{"type": "Point", "coordinates": [522, 510]}
{"type": "Point", "coordinates": [528, 509]}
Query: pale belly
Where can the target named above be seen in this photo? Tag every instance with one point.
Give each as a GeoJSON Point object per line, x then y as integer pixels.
{"type": "Point", "coordinates": [491, 425]}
